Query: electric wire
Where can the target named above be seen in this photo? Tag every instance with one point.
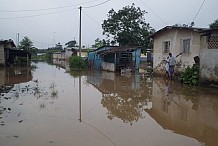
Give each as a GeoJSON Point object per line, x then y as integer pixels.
{"type": "Point", "coordinates": [45, 9]}
{"type": "Point", "coordinates": [37, 15]}
{"type": "Point", "coordinates": [34, 41]}
{"type": "Point", "coordinates": [90, 17]}
{"type": "Point", "coordinates": [30, 16]}
{"type": "Point", "coordinates": [97, 4]}
{"type": "Point", "coordinates": [199, 10]}
{"type": "Point", "coordinates": [154, 13]}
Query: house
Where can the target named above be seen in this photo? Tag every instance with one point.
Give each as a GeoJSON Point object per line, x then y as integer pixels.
{"type": "Point", "coordinates": [209, 56]}
{"type": "Point", "coordinates": [114, 58]}
{"type": "Point", "coordinates": [176, 40]}
{"type": "Point", "coordinates": [70, 52]}
{"type": "Point", "coordinates": [74, 51]}
{"type": "Point", "coordinates": [56, 55]}
{"type": "Point", "coordinates": [8, 53]}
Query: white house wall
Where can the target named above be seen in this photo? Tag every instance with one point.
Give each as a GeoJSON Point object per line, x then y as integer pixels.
{"type": "Point", "coordinates": [68, 54]}
{"type": "Point", "coordinates": [108, 66]}
{"type": "Point", "coordinates": [175, 36]}
{"type": "Point", "coordinates": [56, 56]}
{"type": "Point", "coordinates": [209, 65]}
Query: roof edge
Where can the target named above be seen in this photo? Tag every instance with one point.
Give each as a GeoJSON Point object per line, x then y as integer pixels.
{"type": "Point", "coordinates": [176, 27]}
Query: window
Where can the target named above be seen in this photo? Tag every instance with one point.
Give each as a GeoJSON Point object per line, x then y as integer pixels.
{"type": "Point", "coordinates": [185, 44]}
{"type": "Point", "coordinates": [166, 47]}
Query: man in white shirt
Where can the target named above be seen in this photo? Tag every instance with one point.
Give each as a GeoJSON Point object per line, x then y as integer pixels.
{"type": "Point", "coordinates": [172, 63]}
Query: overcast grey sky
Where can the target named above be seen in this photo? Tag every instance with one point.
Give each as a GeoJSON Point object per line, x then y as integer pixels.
{"type": "Point", "coordinates": [49, 21]}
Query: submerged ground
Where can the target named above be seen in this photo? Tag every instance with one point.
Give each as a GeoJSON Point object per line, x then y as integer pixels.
{"type": "Point", "coordinates": [51, 106]}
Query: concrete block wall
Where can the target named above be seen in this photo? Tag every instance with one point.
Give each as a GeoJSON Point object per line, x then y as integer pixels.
{"type": "Point", "coordinates": [209, 66]}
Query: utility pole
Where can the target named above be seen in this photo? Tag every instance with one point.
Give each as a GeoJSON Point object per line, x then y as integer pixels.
{"type": "Point", "coordinates": [80, 29]}
{"type": "Point", "coordinates": [80, 100]}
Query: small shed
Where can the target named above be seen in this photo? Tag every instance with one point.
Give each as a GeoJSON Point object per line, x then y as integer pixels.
{"type": "Point", "coordinates": [114, 58]}
{"type": "Point", "coordinates": [8, 53]}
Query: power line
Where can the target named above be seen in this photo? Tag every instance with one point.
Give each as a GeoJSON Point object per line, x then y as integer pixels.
{"type": "Point", "coordinates": [19, 17]}
{"type": "Point", "coordinates": [154, 13]}
{"type": "Point", "coordinates": [198, 11]}
{"type": "Point", "coordinates": [45, 9]}
{"type": "Point", "coordinates": [97, 4]}
{"type": "Point", "coordinates": [90, 17]}
{"type": "Point", "coordinates": [37, 41]}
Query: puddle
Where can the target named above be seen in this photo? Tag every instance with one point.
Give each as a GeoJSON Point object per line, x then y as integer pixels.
{"type": "Point", "coordinates": [52, 105]}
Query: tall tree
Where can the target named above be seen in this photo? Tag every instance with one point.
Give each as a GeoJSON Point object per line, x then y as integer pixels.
{"type": "Point", "coordinates": [26, 44]}
{"type": "Point", "coordinates": [71, 43]}
{"type": "Point", "coordinates": [100, 43]}
{"type": "Point", "coordinates": [128, 27]}
{"type": "Point", "coordinates": [214, 24]}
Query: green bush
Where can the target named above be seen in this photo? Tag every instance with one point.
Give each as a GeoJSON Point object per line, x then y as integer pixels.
{"type": "Point", "coordinates": [190, 75]}
{"type": "Point", "coordinates": [77, 63]}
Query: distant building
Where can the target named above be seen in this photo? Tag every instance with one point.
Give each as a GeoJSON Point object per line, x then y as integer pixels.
{"type": "Point", "coordinates": [56, 55]}
{"type": "Point", "coordinates": [70, 52]}
{"type": "Point", "coordinates": [8, 53]}
{"type": "Point", "coordinates": [114, 58]}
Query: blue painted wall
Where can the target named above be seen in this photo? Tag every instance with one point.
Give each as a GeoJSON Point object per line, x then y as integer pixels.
{"type": "Point", "coordinates": [96, 60]}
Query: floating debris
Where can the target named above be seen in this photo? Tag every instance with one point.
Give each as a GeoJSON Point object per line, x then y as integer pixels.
{"type": "Point", "coordinates": [20, 121]}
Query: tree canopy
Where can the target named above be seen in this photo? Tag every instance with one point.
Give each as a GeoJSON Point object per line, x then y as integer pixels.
{"type": "Point", "coordinates": [214, 24]}
{"type": "Point", "coordinates": [100, 43]}
{"type": "Point", "coordinates": [128, 27]}
{"type": "Point", "coordinates": [25, 44]}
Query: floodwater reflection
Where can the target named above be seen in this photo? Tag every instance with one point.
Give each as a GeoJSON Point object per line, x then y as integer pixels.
{"type": "Point", "coordinates": [123, 96]}
{"type": "Point", "coordinates": [186, 110]}
{"type": "Point", "coordinates": [16, 75]}
{"type": "Point", "coordinates": [52, 106]}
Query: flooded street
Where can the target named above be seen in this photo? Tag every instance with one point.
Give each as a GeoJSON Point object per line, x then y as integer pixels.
{"type": "Point", "coordinates": [51, 106]}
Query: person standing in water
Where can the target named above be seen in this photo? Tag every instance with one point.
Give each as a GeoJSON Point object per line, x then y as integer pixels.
{"type": "Point", "coordinates": [172, 63]}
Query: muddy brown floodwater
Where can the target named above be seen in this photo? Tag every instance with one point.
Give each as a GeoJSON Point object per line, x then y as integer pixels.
{"type": "Point", "coordinates": [50, 106]}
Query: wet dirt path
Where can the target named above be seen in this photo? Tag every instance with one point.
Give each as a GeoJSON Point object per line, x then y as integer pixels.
{"type": "Point", "coordinates": [49, 106]}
